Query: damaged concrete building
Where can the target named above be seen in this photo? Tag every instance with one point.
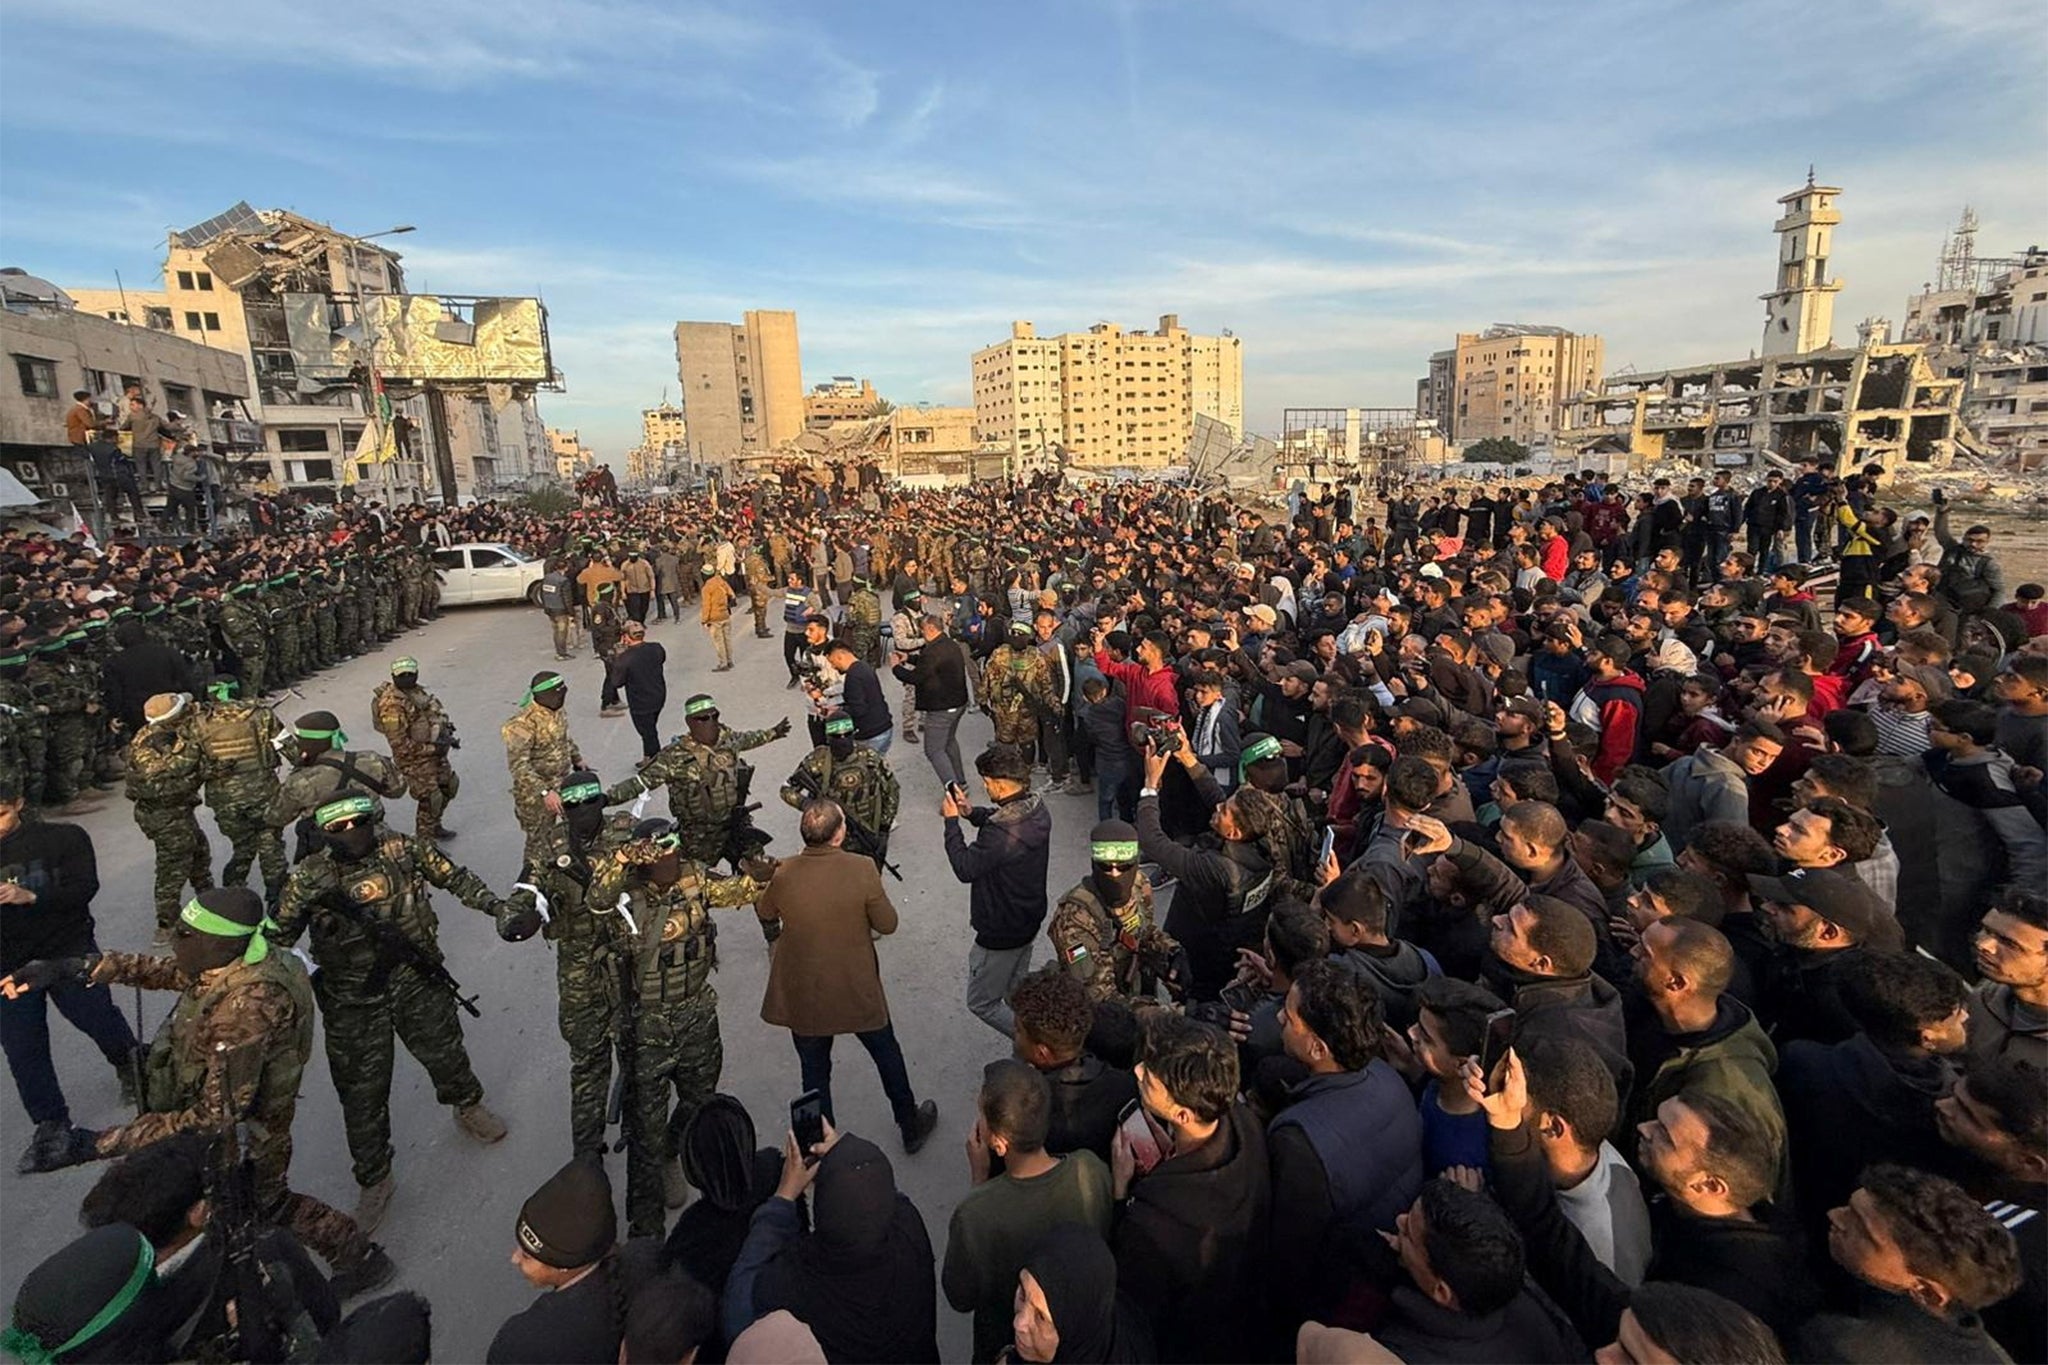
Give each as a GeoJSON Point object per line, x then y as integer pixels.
{"type": "Point", "coordinates": [1984, 320]}
{"type": "Point", "coordinates": [1878, 402]}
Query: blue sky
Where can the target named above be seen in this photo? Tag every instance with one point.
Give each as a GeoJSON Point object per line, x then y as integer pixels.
{"type": "Point", "coordinates": [1344, 185]}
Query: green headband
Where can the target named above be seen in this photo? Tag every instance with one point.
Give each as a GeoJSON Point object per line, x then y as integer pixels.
{"type": "Point", "coordinates": [581, 792]}
{"type": "Point", "coordinates": [668, 842]}
{"type": "Point", "coordinates": [30, 1350]}
{"type": "Point", "coordinates": [343, 806]}
{"type": "Point", "coordinates": [700, 706]}
{"type": "Point", "coordinates": [1114, 851]}
{"type": "Point", "coordinates": [547, 684]}
{"type": "Point", "coordinates": [222, 691]}
{"type": "Point", "coordinates": [16, 658]}
{"type": "Point", "coordinates": [399, 666]}
{"type": "Point", "coordinates": [839, 725]}
{"type": "Point", "coordinates": [334, 736]}
{"type": "Point", "coordinates": [197, 916]}
{"type": "Point", "coordinates": [1259, 749]}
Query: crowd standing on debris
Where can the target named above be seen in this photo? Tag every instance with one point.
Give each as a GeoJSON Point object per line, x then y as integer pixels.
{"type": "Point", "coordinates": [1521, 924]}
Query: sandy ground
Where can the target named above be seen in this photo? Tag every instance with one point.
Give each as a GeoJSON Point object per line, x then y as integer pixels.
{"type": "Point", "coordinates": [450, 1227]}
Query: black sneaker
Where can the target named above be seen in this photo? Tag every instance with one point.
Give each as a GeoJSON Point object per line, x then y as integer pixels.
{"type": "Point", "coordinates": [373, 1270]}
{"type": "Point", "coordinates": [921, 1127]}
{"type": "Point", "coordinates": [50, 1136]}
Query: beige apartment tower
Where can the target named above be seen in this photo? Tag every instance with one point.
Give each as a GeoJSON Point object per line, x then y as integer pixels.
{"type": "Point", "coordinates": [1106, 396]}
{"type": "Point", "coordinates": [1799, 315]}
{"type": "Point", "coordinates": [743, 386]}
{"type": "Point", "coordinates": [1510, 380]}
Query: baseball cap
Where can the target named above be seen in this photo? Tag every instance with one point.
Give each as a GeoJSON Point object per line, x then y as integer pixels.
{"type": "Point", "coordinates": [1523, 706]}
{"type": "Point", "coordinates": [1262, 613]}
{"type": "Point", "coordinates": [1836, 897]}
{"type": "Point", "coordinates": [1302, 669]}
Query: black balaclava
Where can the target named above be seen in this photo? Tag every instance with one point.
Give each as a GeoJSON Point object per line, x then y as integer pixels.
{"type": "Point", "coordinates": [1113, 855]}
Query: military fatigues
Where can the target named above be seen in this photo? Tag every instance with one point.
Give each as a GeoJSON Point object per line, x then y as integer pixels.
{"type": "Point", "coordinates": [310, 786]}
{"type": "Point", "coordinates": [1115, 955]}
{"type": "Point", "coordinates": [238, 740]}
{"type": "Point", "coordinates": [676, 1043]}
{"type": "Point", "coordinates": [864, 624]}
{"type": "Point", "coordinates": [539, 753]}
{"type": "Point", "coordinates": [863, 786]}
{"type": "Point", "coordinates": [281, 608]}
{"type": "Point", "coordinates": [707, 789]}
{"type": "Point", "coordinates": [1016, 688]}
{"type": "Point", "coordinates": [419, 732]}
{"type": "Point", "coordinates": [606, 621]}
{"type": "Point", "coordinates": [906, 634]}
{"type": "Point", "coordinates": [65, 698]}
{"type": "Point", "coordinates": [22, 737]}
{"type": "Point", "coordinates": [241, 625]}
{"type": "Point", "coordinates": [760, 591]}
{"type": "Point", "coordinates": [236, 1043]}
{"type": "Point", "coordinates": [368, 993]}
{"type": "Point", "coordinates": [589, 947]}
{"type": "Point", "coordinates": [165, 768]}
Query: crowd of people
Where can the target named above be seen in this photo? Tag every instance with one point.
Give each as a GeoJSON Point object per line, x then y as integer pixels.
{"type": "Point", "coordinates": [1518, 927]}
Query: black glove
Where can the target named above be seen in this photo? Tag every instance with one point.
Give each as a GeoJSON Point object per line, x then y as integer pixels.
{"type": "Point", "coordinates": [1179, 974]}
{"type": "Point", "coordinates": [518, 919]}
{"type": "Point", "coordinates": [46, 972]}
{"type": "Point", "coordinates": [63, 1147]}
{"type": "Point", "coordinates": [781, 727]}
{"type": "Point", "coordinates": [771, 929]}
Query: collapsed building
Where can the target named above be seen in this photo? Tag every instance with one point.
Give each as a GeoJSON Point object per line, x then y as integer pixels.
{"type": "Point", "coordinates": [1880, 403]}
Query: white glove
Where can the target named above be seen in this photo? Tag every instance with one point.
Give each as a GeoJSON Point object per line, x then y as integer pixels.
{"type": "Point", "coordinates": [540, 901]}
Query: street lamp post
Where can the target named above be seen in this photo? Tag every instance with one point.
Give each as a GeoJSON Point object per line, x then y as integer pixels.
{"type": "Point", "coordinates": [371, 333]}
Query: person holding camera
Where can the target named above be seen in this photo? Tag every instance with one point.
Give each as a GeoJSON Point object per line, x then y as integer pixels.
{"type": "Point", "coordinates": [1224, 876]}
{"type": "Point", "coordinates": [1005, 870]}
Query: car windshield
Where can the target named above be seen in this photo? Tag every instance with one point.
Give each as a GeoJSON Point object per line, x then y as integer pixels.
{"type": "Point", "coordinates": [514, 555]}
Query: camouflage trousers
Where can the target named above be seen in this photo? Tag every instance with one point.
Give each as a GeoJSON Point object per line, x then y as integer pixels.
{"type": "Point", "coordinates": [69, 748]}
{"type": "Point", "coordinates": [252, 841]}
{"type": "Point", "coordinates": [538, 824]}
{"type": "Point", "coordinates": [866, 642]}
{"type": "Point", "coordinates": [433, 785]}
{"type": "Point", "coordinates": [327, 1231]}
{"type": "Point", "coordinates": [287, 654]}
{"type": "Point", "coordinates": [255, 675]}
{"type": "Point", "coordinates": [384, 615]}
{"type": "Point", "coordinates": [182, 855]}
{"type": "Point", "coordinates": [588, 985]}
{"type": "Point", "coordinates": [679, 1050]}
{"type": "Point", "coordinates": [409, 603]}
{"type": "Point", "coordinates": [326, 637]}
{"type": "Point", "coordinates": [359, 1027]}
{"type": "Point", "coordinates": [1015, 725]}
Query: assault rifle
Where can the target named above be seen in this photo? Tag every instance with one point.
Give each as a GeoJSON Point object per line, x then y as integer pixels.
{"type": "Point", "coordinates": [859, 838]}
{"type": "Point", "coordinates": [260, 1332]}
{"type": "Point", "coordinates": [394, 948]}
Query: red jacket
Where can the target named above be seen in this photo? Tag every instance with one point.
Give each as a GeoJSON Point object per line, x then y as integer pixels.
{"type": "Point", "coordinates": [1557, 557]}
{"type": "Point", "coordinates": [1854, 656]}
{"type": "Point", "coordinates": [1160, 690]}
{"type": "Point", "coordinates": [1618, 706]}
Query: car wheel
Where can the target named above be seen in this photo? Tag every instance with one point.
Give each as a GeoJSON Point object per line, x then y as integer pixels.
{"type": "Point", "coordinates": [533, 595]}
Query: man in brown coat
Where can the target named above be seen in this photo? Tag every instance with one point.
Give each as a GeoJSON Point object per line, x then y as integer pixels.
{"type": "Point", "coordinates": [822, 912]}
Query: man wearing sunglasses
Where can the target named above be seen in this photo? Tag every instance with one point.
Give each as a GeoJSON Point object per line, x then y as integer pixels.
{"type": "Point", "coordinates": [366, 897]}
{"type": "Point", "coordinates": [707, 783]}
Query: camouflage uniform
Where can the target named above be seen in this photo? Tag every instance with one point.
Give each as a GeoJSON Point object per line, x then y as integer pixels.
{"type": "Point", "coordinates": [539, 753]}
{"type": "Point", "coordinates": [191, 630]}
{"type": "Point", "coordinates": [284, 615]}
{"type": "Point", "coordinates": [348, 615]}
{"type": "Point", "coordinates": [384, 597]}
{"type": "Point", "coordinates": [241, 624]}
{"type": "Point", "coordinates": [238, 739]}
{"type": "Point", "coordinates": [864, 623]}
{"type": "Point", "coordinates": [326, 622]}
{"type": "Point", "coordinates": [760, 590]}
{"type": "Point", "coordinates": [862, 784]}
{"type": "Point", "coordinates": [368, 993]}
{"type": "Point", "coordinates": [674, 951]}
{"type": "Point", "coordinates": [1016, 688]}
{"type": "Point", "coordinates": [165, 767]}
{"type": "Point", "coordinates": [64, 697]}
{"type": "Point", "coordinates": [22, 739]}
{"type": "Point", "coordinates": [408, 573]}
{"type": "Point", "coordinates": [419, 732]}
{"type": "Point", "coordinates": [236, 1042]}
{"type": "Point", "coordinates": [589, 948]}
{"type": "Point", "coordinates": [707, 789]}
{"type": "Point", "coordinates": [606, 621]}
{"type": "Point", "coordinates": [1116, 956]}
{"type": "Point", "coordinates": [309, 786]}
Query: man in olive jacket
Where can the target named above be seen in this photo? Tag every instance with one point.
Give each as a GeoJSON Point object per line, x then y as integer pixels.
{"type": "Point", "coordinates": [823, 911]}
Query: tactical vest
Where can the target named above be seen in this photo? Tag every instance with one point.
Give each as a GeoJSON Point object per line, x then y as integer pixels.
{"type": "Point", "coordinates": [1118, 931]}
{"type": "Point", "coordinates": [796, 609]}
{"type": "Point", "coordinates": [678, 943]}
{"type": "Point", "coordinates": [178, 1057]}
{"type": "Point", "coordinates": [382, 886]}
{"type": "Point", "coordinates": [227, 735]}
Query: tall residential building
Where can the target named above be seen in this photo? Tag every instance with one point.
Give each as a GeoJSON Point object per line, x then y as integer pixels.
{"type": "Point", "coordinates": [571, 456]}
{"type": "Point", "coordinates": [1799, 314]}
{"type": "Point", "coordinates": [1106, 397]}
{"type": "Point", "coordinates": [842, 399]}
{"type": "Point", "coordinates": [743, 386]}
{"type": "Point", "coordinates": [1510, 380]}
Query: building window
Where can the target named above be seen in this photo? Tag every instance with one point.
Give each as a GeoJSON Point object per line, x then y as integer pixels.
{"type": "Point", "coordinates": [184, 279]}
{"type": "Point", "coordinates": [192, 323]}
{"type": "Point", "coordinates": [302, 439]}
{"type": "Point", "coordinates": [213, 322]}
{"type": "Point", "coordinates": [38, 377]}
{"type": "Point", "coordinates": [205, 281]}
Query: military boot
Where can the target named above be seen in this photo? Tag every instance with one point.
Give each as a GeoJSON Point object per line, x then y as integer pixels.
{"type": "Point", "coordinates": [479, 1122]}
{"type": "Point", "coordinates": [373, 1270]}
{"type": "Point", "coordinates": [372, 1204]}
